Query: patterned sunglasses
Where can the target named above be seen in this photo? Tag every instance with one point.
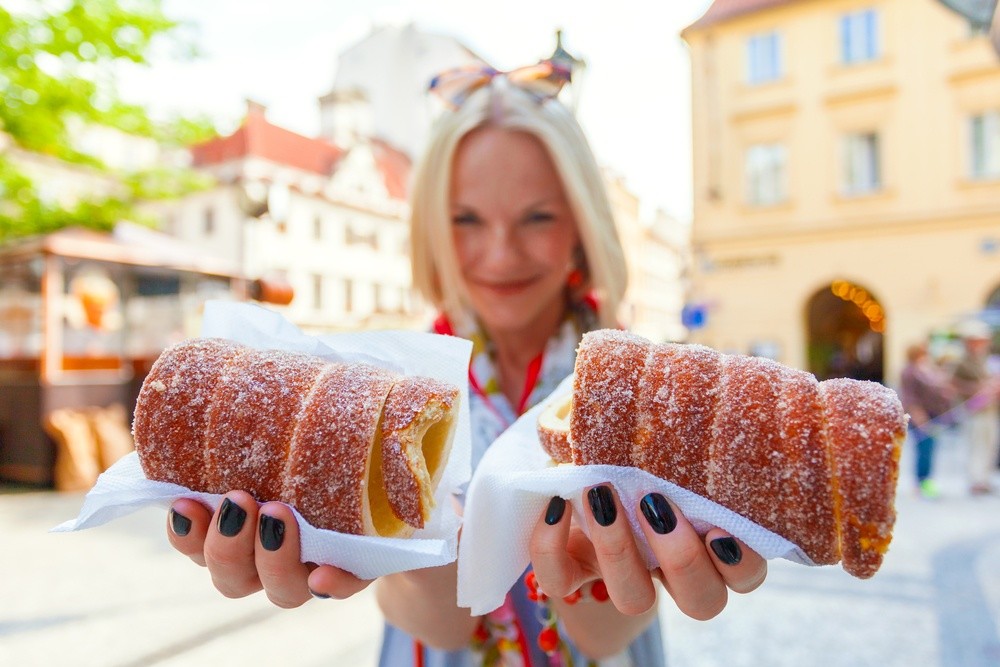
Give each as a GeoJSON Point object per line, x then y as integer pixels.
{"type": "Point", "coordinates": [543, 80]}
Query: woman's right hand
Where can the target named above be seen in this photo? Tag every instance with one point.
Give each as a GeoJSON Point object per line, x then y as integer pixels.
{"type": "Point", "coordinates": [247, 548]}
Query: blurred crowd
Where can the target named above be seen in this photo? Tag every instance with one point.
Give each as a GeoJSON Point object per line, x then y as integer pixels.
{"type": "Point", "coordinates": [954, 388]}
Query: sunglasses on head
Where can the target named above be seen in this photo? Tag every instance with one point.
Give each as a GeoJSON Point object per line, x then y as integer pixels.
{"type": "Point", "coordinates": [543, 80]}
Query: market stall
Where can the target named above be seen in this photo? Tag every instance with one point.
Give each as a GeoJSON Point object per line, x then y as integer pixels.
{"type": "Point", "coordinates": [82, 317]}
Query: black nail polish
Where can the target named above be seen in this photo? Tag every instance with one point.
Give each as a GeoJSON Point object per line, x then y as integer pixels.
{"type": "Point", "coordinates": [231, 518]}
{"type": "Point", "coordinates": [602, 504]}
{"type": "Point", "coordinates": [180, 524]}
{"type": "Point", "coordinates": [557, 506]}
{"type": "Point", "coordinates": [272, 532]}
{"type": "Point", "coordinates": [321, 596]}
{"type": "Point", "coordinates": [727, 549]}
{"type": "Point", "coordinates": [658, 513]}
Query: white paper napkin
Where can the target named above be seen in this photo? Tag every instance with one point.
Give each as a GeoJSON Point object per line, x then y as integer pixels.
{"type": "Point", "coordinates": [123, 489]}
{"type": "Point", "coordinates": [515, 481]}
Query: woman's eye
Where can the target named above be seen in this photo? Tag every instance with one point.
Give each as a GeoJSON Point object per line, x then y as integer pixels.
{"type": "Point", "coordinates": [464, 219]}
{"type": "Point", "coordinates": [540, 216]}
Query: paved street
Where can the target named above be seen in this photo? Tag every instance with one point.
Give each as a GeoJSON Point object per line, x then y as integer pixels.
{"type": "Point", "coordinates": [117, 596]}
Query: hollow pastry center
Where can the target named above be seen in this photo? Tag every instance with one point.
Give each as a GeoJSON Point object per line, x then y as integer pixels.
{"type": "Point", "coordinates": [383, 519]}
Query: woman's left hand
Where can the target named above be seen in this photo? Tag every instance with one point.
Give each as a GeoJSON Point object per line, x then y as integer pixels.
{"type": "Point", "coordinates": [697, 571]}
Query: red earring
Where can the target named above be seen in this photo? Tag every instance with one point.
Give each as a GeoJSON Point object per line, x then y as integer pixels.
{"type": "Point", "coordinates": [574, 279]}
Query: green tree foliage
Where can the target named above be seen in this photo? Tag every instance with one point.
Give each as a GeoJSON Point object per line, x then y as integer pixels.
{"type": "Point", "coordinates": [58, 65]}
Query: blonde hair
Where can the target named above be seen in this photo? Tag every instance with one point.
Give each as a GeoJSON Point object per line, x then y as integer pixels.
{"type": "Point", "coordinates": [500, 104]}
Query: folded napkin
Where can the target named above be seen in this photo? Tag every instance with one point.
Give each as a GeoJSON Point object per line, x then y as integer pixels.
{"type": "Point", "coordinates": [516, 479]}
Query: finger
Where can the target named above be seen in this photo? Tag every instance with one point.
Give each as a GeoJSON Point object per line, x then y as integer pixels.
{"type": "Point", "coordinates": [688, 572]}
{"type": "Point", "coordinates": [623, 569]}
{"type": "Point", "coordinates": [282, 574]}
{"type": "Point", "coordinates": [187, 524]}
{"type": "Point", "coordinates": [229, 546]}
{"type": "Point", "coordinates": [558, 574]}
{"type": "Point", "coordinates": [741, 568]}
{"type": "Point", "coordinates": [327, 581]}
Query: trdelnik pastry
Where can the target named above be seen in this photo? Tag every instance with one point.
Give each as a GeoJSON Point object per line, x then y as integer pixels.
{"type": "Point", "coordinates": [814, 462]}
{"type": "Point", "coordinates": [354, 447]}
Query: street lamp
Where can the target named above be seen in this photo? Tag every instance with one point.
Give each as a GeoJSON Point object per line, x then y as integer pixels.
{"type": "Point", "coordinates": [981, 14]}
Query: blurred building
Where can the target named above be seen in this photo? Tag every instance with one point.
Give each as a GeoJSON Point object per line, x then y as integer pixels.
{"type": "Point", "coordinates": [656, 251]}
{"type": "Point", "coordinates": [846, 175]}
{"type": "Point", "coordinates": [380, 88]}
{"type": "Point", "coordinates": [326, 221]}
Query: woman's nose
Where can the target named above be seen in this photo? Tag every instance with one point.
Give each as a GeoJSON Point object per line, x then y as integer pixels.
{"type": "Point", "coordinates": [502, 245]}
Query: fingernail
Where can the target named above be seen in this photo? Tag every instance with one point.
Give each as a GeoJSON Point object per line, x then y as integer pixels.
{"type": "Point", "coordinates": [602, 504]}
{"type": "Point", "coordinates": [321, 596]}
{"type": "Point", "coordinates": [727, 549]}
{"type": "Point", "coordinates": [658, 513]}
{"type": "Point", "coordinates": [180, 524]}
{"type": "Point", "coordinates": [555, 511]}
{"type": "Point", "coordinates": [272, 532]}
{"type": "Point", "coordinates": [231, 518]}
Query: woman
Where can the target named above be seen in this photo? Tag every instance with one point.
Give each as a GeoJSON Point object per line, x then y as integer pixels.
{"type": "Point", "coordinates": [978, 388]}
{"type": "Point", "coordinates": [513, 240]}
{"type": "Point", "coordinates": [926, 396]}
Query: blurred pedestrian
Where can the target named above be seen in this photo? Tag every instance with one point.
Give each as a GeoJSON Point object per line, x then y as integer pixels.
{"type": "Point", "coordinates": [978, 388]}
{"type": "Point", "coordinates": [928, 397]}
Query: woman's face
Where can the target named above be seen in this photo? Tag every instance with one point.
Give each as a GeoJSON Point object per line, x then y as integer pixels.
{"type": "Point", "coordinates": [513, 229]}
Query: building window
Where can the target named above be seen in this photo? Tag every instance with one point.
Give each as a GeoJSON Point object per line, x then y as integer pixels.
{"type": "Point", "coordinates": [984, 145]}
{"type": "Point", "coordinates": [862, 164]}
{"type": "Point", "coordinates": [357, 237]}
{"type": "Point", "coordinates": [318, 228]}
{"type": "Point", "coordinates": [208, 222]}
{"type": "Point", "coordinates": [859, 37]}
{"type": "Point", "coordinates": [763, 58]}
{"type": "Point", "coordinates": [766, 171]}
{"type": "Point", "coordinates": [348, 295]}
{"type": "Point", "coordinates": [317, 291]}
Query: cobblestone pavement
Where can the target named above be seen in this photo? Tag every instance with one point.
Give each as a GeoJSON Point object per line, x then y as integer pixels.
{"type": "Point", "coordinates": [118, 596]}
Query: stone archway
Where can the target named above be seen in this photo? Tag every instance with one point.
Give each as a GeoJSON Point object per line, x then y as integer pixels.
{"type": "Point", "coordinates": [993, 300]}
{"type": "Point", "coordinates": [845, 324]}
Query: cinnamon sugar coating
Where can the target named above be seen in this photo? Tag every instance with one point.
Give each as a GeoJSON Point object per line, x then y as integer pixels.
{"type": "Point", "coordinates": [865, 426]}
{"type": "Point", "coordinates": [331, 454]}
{"type": "Point", "coordinates": [249, 426]}
{"type": "Point", "coordinates": [808, 507]}
{"type": "Point", "coordinates": [412, 456]}
{"type": "Point", "coordinates": [609, 367]}
{"type": "Point", "coordinates": [747, 457]}
{"type": "Point", "coordinates": [676, 408]}
{"type": "Point", "coordinates": [171, 414]}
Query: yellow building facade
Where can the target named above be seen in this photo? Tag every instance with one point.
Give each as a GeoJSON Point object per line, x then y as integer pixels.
{"type": "Point", "coordinates": [846, 179]}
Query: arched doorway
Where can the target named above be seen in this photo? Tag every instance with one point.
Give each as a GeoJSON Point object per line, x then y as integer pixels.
{"type": "Point", "coordinates": [844, 327]}
{"type": "Point", "coordinates": [993, 300]}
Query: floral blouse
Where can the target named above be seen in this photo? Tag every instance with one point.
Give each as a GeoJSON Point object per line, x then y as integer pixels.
{"type": "Point", "coordinates": [523, 631]}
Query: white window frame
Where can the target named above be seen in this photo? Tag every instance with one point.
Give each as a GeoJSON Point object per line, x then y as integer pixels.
{"type": "Point", "coordinates": [764, 58]}
{"type": "Point", "coordinates": [984, 145]}
{"type": "Point", "coordinates": [766, 174]}
{"type": "Point", "coordinates": [859, 37]}
{"type": "Point", "coordinates": [317, 291]}
{"type": "Point", "coordinates": [862, 163]}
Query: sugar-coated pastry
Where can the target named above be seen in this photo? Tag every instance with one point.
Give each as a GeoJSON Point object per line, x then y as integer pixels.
{"type": "Point", "coordinates": [815, 462]}
{"type": "Point", "coordinates": [354, 447]}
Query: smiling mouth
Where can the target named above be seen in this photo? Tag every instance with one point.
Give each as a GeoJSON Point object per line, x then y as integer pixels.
{"type": "Point", "coordinates": [507, 286]}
